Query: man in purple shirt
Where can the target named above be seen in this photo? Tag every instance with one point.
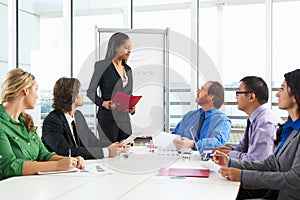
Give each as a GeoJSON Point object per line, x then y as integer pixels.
{"type": "Point", "coordinates": [260, 133]}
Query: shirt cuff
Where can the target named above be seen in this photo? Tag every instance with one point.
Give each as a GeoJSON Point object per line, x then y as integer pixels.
{"type": "Point", "coordinates": [229, 162]}
{"type": "Point", "coordinates": [242, 176]}
{"type": "Point", "coordinates": [105, 152]}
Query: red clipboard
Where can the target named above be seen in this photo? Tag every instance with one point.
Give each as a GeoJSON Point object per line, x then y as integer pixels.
{"type": "Point", "coordinates": [184, 172]}
{"type": "Point", "coordinates": [124, 101]}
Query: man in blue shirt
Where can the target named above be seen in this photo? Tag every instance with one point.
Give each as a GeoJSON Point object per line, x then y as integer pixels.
{"type": "Point", "coordinates": [209, 126]}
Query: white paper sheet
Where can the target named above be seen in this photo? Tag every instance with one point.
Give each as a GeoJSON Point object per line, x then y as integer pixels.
{"type": "Point", "coordinates": [210, 165]}
{"type": "Point", "coordinates": [164, 140]}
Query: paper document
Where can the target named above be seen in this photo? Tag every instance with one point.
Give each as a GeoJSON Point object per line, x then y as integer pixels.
{"type": "Point", "coordinates": [210, 165]}
{"type": "Point", "coordinates": [164, 140]}
{"type": "Point", "coordinates": [60, 171]}
{"type": "Point", "coordinates": [129, 139]}
{"type": "Point", "coordinates": [185, 172]}
{"type": "Point", "coordinates": [95, 168]}
{"type": "Point", "coordinates": [124, 101]}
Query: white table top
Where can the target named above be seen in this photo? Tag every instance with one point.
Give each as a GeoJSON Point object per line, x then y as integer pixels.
{"type": "Point", "coordinates": [121, 184]}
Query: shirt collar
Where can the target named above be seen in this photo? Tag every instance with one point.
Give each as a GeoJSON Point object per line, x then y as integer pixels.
{"type": "Point", "coordinates": [69, 118]}
{"type": "Point", "coordinates": [5, 116]}
{"type": "Point", "coordinates": [208, 113]}
{"type": "Point", "coordinates": [293, 124]}
{"type": "Point", "coordinates": [256, 112]}
{"type": "Point", "coordinates": [3, 113]}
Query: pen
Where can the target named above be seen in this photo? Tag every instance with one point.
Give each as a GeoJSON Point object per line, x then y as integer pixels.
{"type": "Point", "coordinates": [215, 154]}
{"type": "Point", "coordinates": [70, 155]}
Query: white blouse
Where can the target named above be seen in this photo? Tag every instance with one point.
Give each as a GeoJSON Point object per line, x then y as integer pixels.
{"type": "Point", "coordinates": [124, 78]}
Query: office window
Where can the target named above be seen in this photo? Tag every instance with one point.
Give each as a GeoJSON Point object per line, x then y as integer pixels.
{"type": "Point", "coordinates": [208, 31]}
{"type": "Point", "coordinates": [175, 15]}
{"type": "Point", "coordinates": [87, 17]}
{"type": "Point", "coordinates": [243, 41]}
{"type": "Point", "coordinates": [243, 50]}
{"type": "Point", "coordinates": [286, 44]}
{"type": "Point", "coordinates": [3, 38]}
{"type": "Point", "coordinates": [41, 48]}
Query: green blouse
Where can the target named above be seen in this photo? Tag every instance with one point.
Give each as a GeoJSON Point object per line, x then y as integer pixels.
{"type": "Point", "coordinates": [18, 145]}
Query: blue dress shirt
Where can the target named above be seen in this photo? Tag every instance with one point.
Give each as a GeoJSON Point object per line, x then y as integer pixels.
{"type": "Point", "coordinates": [215, 129]}
{"type": "Point", "coordinates": [287, 130]}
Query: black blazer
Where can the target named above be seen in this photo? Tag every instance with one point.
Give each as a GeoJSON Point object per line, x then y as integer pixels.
{"type": "Point", "coordinates": [57, 136]}
{"type": "Point", "coordinates": [109, 82]}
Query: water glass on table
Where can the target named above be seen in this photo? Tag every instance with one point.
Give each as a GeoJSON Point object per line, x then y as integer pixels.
{"type": "Point", "coordinates": [186, 153]}
{"type": "Point", "coordinates": [123, 152]}
{"type": "Point", "coordinates": [150, 146]}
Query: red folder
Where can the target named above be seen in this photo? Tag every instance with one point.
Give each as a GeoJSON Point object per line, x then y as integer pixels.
{"type": "Point", "coordinates": [124, 101]}
{"type": "Point", "coordinates": [201, 173]}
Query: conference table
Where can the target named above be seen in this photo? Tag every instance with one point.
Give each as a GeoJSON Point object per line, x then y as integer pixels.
{"type": "Point", "coordinates": [123, 178]}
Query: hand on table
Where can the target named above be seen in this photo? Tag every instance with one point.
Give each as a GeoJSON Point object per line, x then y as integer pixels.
{"type": "Point", "coordinates": [232, 174]}
{"type": "Point", "coordinates": [183, 142]}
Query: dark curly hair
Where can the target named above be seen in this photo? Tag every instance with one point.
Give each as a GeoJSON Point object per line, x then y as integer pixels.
{"type": "Point", "coordinates": [64, 93]}
{"type": "Point", "coordinates": [292, 80]}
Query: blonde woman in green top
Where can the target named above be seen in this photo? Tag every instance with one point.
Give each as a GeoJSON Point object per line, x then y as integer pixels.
{"type": "Point", "coordinates": [21, 149]}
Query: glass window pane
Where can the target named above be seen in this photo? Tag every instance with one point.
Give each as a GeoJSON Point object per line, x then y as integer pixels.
{"type": "Point", "coordinates": [182, 74]}
{"type": "Point", "coordinates": [234, 39]}
{"type": "Point", "coordinates": [286, 44]}
{"type": "Point", "coordinates": [208, 31]}
{"type": "Point", "coordinates": [3, 38]}
{"type": "Point", "coordinates": [286, 40]}
{"type": "Point", "coordinates": [243, 41]}
{"type": "Point", "coordinates": [243, 51]}
{"type": "Point", "coordinates": [42, 48]}
{"type": "Point", "coordinates": [88, 16]}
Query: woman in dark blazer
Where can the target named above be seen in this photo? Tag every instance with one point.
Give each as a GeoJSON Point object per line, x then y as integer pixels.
{"type": "Point", "coordinates": [280, 172]}
{"type": "Point", "coordinates": [65, 130]}
{"type": "Point", "coordinates": [111, 76]}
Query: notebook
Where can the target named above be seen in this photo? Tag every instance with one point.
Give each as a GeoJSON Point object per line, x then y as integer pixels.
{"type": "Point", "coordinates": [59, 172]}
{"type": "Point", "coordinates": [124, 101]}
{"type": "Point", "coordinates": [185, 172]}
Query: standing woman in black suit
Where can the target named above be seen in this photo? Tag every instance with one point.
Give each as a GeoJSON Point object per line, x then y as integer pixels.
{"type": "Point", "coordinates": [112, 75]}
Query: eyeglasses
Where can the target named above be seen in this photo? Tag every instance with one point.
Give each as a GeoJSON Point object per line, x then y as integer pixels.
{"type": "Point", "coordinates": [241, 92]}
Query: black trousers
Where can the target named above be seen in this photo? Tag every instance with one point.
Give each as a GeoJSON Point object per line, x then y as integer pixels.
{"type": "Point", "coordinates": [114, 131]}
{"type": "Point", "coordinates": [250, 194]}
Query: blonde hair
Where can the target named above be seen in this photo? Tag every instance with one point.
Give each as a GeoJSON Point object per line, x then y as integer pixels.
{"type": "Point", "coordinates": [14, 82]}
